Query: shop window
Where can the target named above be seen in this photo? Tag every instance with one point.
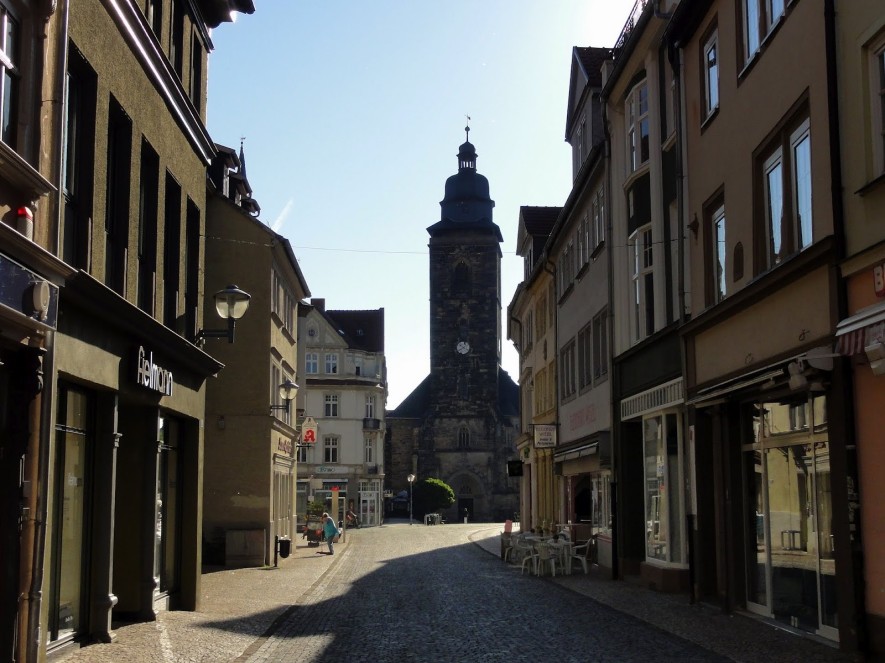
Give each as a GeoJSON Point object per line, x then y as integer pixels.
{"type": "Point", "coordinates": [663, 505]}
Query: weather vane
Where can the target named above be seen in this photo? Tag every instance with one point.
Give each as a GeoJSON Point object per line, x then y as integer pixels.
{"type": "Point", "coordinates": [467, 129]}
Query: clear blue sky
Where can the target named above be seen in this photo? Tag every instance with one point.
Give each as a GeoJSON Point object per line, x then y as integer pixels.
{"type": "Point", "coordinates": [353, 112]}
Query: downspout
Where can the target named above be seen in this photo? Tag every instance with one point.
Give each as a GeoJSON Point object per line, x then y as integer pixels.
{"type": "Point", "coordinates": [675, 53]}
{"type": "Point", "coordinates": [615, 380]}
{"type": "Point", "coordinates": [855, 627]}
{"type": "Point", "coordinates": [41, 489]}
{"type": "Point", "coordinates": [552, 272]}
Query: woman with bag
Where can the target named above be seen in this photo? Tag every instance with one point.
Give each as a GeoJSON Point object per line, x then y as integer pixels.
{"type": "Point", "coordinates": [330, 531]}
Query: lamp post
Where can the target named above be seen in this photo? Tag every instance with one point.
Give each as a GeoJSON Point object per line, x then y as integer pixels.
{"type": "Point", "coordinates": [410, 479]}
{"type": "Point", "coordinates": [231, 304]}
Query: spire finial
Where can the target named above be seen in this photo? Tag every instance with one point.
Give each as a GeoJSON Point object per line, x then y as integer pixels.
{"type": "Point", "coordinates": [467, 130]}
{"type": "Point", "coordinates": [242, 157]}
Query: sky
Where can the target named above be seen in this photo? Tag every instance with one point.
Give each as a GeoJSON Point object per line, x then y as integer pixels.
{"type": "Point", "coordinates": [352, 113]}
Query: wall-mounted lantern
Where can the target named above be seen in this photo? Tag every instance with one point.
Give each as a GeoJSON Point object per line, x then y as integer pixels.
{"type": "Point", "coordinates": [231, 304]}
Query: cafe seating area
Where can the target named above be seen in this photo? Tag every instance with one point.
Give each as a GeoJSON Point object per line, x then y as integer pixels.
{"type": "Point", "coordinates": [545, 554]}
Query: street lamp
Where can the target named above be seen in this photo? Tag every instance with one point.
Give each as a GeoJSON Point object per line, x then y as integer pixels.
{"type": "Point", "coordinates": [410, 479]}
{"type": "Point", "coordinates": [288, 391]}
{"type": "Point", "coordinates": [231, 304]}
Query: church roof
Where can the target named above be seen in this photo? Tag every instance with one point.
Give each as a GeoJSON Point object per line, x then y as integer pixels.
{"type": "Point", "coordinates": [414, 406]}
{"type": "Point", "coordinates": [417, 404]}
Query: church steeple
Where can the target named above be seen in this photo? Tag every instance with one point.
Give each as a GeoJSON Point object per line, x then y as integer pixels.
{"type": "Point", "coordinates": [467, 198]}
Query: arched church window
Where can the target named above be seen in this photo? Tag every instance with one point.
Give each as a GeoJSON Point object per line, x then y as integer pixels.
{"type": "Point", "coordinates": [461, 279]}
{"type": "Point", "coordinates": [463, 438]}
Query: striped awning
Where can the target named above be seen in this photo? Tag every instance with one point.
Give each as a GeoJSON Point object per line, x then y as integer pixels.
{"type": "Point", "coordinates": [864, 328]}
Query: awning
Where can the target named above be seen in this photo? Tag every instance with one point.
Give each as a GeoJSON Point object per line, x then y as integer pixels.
{"type": "Point", "coordinates": [855, 333]}
{"type": "Point", "coordinates": [571, 454]}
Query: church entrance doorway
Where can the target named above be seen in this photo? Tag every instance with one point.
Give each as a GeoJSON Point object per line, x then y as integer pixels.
{"type": "Point", "coordinates": [465, 509]}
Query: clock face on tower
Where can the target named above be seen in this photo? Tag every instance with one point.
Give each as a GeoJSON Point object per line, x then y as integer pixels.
{"type": "Point", "coordinates": [463, 347]}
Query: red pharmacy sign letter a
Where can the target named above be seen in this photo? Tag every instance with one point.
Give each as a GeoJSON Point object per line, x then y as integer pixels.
{"type": "Point", "coordinates": [309, 436]}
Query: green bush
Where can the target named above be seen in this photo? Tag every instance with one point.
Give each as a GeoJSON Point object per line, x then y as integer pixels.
{"type": "Point", "coordinates": [432, 496]}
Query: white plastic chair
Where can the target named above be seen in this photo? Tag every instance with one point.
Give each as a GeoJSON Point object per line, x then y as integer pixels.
{"type": "Point", "coordinates": [580, 553]}
{"type": "Point", "coordinates": [547, 556]}
{"type": "Point", "coordinates": [530, 557]}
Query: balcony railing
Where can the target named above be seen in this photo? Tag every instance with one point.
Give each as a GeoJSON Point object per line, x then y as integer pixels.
{"type": "Point", "coordinates": [371, 424]}
{"type": "Point", "coordinates": [632, 19]}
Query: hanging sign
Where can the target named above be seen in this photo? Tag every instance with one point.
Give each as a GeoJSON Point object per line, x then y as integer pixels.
{"type": "Point", "coordinates": [309, 431]}
{"type": "Point", "coordinates": [545, 436]}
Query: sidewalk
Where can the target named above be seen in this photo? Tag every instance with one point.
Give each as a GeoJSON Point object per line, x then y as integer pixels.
{"type": "Point", "coordinates": [237, 608]}
{"type": "Point", "coordinates": [739, 637]}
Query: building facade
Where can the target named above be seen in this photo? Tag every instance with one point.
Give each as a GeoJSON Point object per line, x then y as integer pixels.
{"type": "Point", "coordinates": [103, 179]}
{"type": "Point", "coordinates": [531, 318]}
{"type": "Point", "coordinates": [579, 257]}
{"type": "Point", "coordinates": [860, 56]}
{"type": "Point", "coordinates": [345, 391]}
{"type": "Point", "coordinates": [460, 424]}
{"type": "Point", "coordinates": [769, 404]}
{"type": "Point", "coordinates": [649, 299]}
{"type": "Point", "coordinates": [250, 434]}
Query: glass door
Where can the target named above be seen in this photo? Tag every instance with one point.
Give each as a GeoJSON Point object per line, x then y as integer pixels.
{"type": "Point", "coordinates": [67, 587]}
{"type": "Point", "coordinates": [167, 540]}
{"type": "Point", "coordinates": [790, 572]}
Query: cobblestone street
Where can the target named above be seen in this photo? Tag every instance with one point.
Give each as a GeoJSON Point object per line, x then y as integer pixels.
{"type": "Point", "coordinates": [419, 593]}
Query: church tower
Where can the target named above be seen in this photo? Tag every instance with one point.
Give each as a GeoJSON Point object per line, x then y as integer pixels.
{"type": "Point", "coordinates": [465, 294]}
{"type": "Point", "coordinates": [460, 423]}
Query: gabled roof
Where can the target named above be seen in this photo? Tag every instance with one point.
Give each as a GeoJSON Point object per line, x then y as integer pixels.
{"type": "Point", "coordinates": [535, 223]}
{"type": "Point", "coordinates": [363, 330]}
{"type": "Point", "coordinates": [586, 73]}
{"type": "Point", "coordinates": [360, 330]}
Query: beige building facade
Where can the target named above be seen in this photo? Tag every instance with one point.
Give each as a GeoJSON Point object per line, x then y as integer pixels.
{"type": "Point", "coordinates": [251, 432]}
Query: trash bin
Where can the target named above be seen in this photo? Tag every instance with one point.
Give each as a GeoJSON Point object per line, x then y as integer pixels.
{"type": "Point", "coordinates": [285, 547]}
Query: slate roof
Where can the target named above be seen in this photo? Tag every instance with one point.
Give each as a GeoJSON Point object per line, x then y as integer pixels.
{"type": "Point", "coordinates": [417, 404]}
{"type": "Point", "coordinates": [362, 330]}
{"type": "Point", "coordinates": [539, 220]}
{"type": "Point", "coordinates": [591, 58]}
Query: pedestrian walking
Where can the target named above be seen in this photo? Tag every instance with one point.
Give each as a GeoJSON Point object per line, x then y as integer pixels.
{"type": "Point", "coordinates": [330, 532]}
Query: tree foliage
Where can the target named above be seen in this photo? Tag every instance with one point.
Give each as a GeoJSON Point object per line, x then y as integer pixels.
{"type": "Point", "coordinates": [432, 495]}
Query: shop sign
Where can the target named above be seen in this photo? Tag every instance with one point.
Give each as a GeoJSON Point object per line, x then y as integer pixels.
{"type": "Point", "coordinates": [325, 469]}
{"type": "Point", "coordinates": [151, 375]}
{"type": "Point", "coordinates": [284, 444]}
{"type": "Point", "coordinates": [545, 436]}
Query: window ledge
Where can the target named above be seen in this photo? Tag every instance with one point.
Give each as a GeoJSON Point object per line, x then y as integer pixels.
{"type": "Point", "coordinates": [875, 183]}
{"type": "Point", "coordinates": [24, 177]}
{"type": "Point", "coordinates": [707, 121]}
{"type": "Point", "coordinates": [635, 175]}
{"type": "Point", "coordinates": [599, 248]}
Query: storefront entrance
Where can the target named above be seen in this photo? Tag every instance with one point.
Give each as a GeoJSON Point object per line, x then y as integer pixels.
{"type": "Point", "coordinates": [790, 567]}
{"type": "Point", "coordinates": [167, 540]}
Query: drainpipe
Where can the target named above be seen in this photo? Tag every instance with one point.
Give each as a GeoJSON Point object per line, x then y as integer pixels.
{"type": "Point", "coordinates": [614, 438]}
{"type": "Point", "coordinates": [675, 54]}
{"type": "Point", "coordinates": [853, 629]}
{"type": "Point", "coordinates": [552, 272]}
{"type": "Point", "coordinates": [32, 528]}
{"type": "Point", "coordinates": [28, 646]}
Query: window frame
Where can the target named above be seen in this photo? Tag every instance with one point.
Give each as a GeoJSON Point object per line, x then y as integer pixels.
{"type": "Point", "coordinates": [710, 83]}
{"type": "Point", "coordinates": [10, 74]}
{"type": "Point", "coordinates": [330, 363]}
{"type": "Point", "coordinates": [777, 165]}
{"type": "Point", "coordinates": [600, 346]}
{"type": "Point", "coordinates": [638, 123]}
{"type": "Point", "coordinates": [585, 357]}
{"type": "Point", "coordinates": [876, 52]}
{"type": "Point", "coordinates": [567, 372]}
{"type": "Point", "coordinates": [642, 318]}
{"type": "Point", "coordinates": [311, 363]}
{"type": "Point", "coordinates": [331, 406]}
{"type": "Point", "coordinates": [331, 449]}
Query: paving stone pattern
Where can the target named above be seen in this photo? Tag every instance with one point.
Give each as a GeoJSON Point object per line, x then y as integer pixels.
{"type": "Point", "coordinates": [422, 594]}
{"type": "Point", "coordinates": [438, 593]}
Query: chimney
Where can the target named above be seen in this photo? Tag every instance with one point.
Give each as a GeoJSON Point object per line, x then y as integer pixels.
{"type": "Point", "coordinates": [319, 303]}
